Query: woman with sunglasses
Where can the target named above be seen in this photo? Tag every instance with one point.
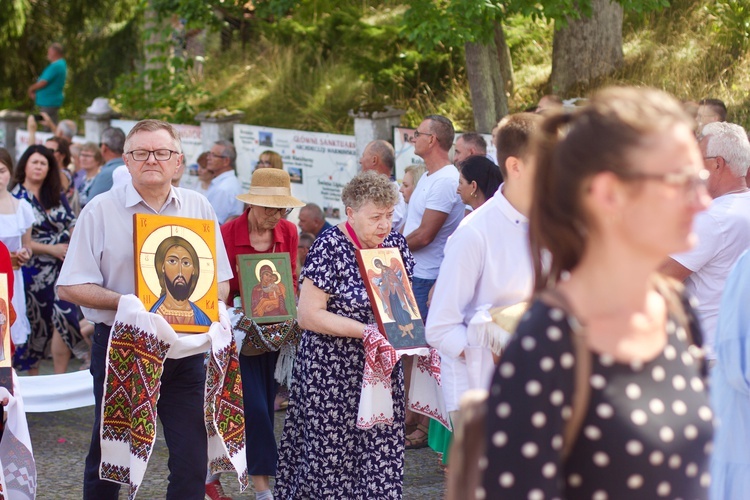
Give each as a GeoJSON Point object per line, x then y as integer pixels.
{"type": "Point", "coordinates": [260, 229]}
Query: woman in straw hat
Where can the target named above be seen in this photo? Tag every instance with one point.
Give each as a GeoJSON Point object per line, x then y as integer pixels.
{"type": "Point", "coordinates": [260, 229]}
{"type": "Point", "coordinates": [323, 453]}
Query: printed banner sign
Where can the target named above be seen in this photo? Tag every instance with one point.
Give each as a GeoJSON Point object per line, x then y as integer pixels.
{"type": "Point", "coordinates": [319, 164]}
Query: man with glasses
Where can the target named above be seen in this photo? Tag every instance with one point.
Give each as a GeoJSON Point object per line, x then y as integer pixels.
{"type": "Point", "coordinates": [434, 211]}
{"type": "Point", "coordinates": [435, 208]}
{"type": "Point", "coordinates": [723, 230]}
{"type": "Point", "coordinates": [222, 159]}
{"type": "Point", "coordinates": [103, 271]}
{"type": "Point", "coordinates": [111, 144]}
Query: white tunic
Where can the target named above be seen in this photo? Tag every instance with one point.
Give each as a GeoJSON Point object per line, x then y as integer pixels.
{"type": "Point", "coordinates": [487, 262]}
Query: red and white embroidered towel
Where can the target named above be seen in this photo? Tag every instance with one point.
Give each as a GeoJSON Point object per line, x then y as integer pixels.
{"type": "Point", "coordinates": [376, 401]}
{"type": "Point", "coordinates": [138, 346]}
{"type": "Point", "coordinates": [17, 466]}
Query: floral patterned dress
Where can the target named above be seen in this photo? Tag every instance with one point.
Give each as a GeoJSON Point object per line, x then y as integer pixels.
{"type": "Point", "coordinates": [43, 308]}
{"type": "Point", "coordinates": [322, 453]}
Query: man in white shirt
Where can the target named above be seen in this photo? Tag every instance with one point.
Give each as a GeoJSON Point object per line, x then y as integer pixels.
{"type": "Point", "coordinates": [380, 157]}
{"type": "Point", "coordinates": [435, 208]}
{"type": "Point", "coordinates": [225, 186]}
{"type": "Point", "coordinates": [487, 260]}
{"type": "Point", "coordinates": [723, 230]}
{"type": "Point", "coordinates": [100, 271]}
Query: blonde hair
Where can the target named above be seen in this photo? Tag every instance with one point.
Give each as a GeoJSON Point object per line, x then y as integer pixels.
{"type": "Point", "coordinates": [416, 170]}
{"type": "Point", "coordinates": [274, 158]}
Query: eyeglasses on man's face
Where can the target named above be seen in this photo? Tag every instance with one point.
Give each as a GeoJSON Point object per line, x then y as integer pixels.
{"type": "Point", "coordinates": [214, 155]}
{"type": "Point", "coordinates": [159, 154]}
{"type": "Point", "coordinates": [417, 133]}
{"type": "Point", "coordinates": [273, 211]}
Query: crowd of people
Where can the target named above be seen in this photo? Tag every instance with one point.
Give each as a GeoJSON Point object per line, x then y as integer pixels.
{"type": "Point", "coordinates": [615, 226]}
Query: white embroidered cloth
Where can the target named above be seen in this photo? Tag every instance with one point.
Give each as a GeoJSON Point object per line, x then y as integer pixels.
{"type": "Point", "coordinates": [18, 477]}
{"type": "Point", "coordinates": [376, 401]}
{"type": "Point", "coordinates": [138, 346]}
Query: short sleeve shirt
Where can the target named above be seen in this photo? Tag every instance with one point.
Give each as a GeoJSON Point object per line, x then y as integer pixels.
{"type": "Point", "coordinates": [51, 95]}
{"type": "Point", "coordinates": [102, 243]}
{"type": "Point", "coordinates": [331, 265]}
{"type": "Point", "coordinates": [435, 191]}
{"type": "Point", "coordinates": [723, 234]}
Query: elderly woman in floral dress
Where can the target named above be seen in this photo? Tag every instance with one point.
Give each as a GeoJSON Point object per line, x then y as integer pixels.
{"type": "Point", "coordinates": [323, 454]}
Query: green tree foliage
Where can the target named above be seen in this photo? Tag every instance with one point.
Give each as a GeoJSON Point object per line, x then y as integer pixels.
{"type": "Point", "coordinates": [433, 23]}
{"type": "Point", "coordinates": [97, 36]}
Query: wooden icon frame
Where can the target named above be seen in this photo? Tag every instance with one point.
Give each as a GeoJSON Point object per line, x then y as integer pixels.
{"type": "Point", "coordinates": [249, 267]}
{"type": "Point", "coordinates": [149, 232]}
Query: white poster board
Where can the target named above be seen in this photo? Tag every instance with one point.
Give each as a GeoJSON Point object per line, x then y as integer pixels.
{"type": "Point", "coordinates": [22, 140]}
{"type": "Point", "coordinates": [405, 149]}
{"type": "Point", "coordinates": [319, 164]}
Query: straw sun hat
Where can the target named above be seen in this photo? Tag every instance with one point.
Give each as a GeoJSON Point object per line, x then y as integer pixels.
{"type": "Point", "coordinates": [269, 187]}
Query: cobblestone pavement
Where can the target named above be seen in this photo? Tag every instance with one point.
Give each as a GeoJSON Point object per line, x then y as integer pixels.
{"type": "Point", "coordinates": [61, 439]}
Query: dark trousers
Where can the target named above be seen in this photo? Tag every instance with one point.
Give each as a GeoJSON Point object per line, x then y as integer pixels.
{"type": "Point", "coordinates": [258, 392]}
{"type": "Point", "coordinates": [180, 410]}
{"type": "Point", "coordinates": [53, 113]}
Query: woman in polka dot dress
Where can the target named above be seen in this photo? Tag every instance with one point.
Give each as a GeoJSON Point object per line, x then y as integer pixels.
{"type": "Point", "coordinates": [618, 183]}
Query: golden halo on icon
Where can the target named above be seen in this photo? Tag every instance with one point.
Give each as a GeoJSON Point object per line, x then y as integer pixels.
{"type": "Point", "coordinates": [205, 259]}
{"type": "Point", "coordinates": [266, 262]}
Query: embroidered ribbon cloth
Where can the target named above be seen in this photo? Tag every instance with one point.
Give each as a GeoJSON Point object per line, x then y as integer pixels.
{"type": "Point", "coordinates": [376, 402]}
{"type": "Point", "coordinates": [17, 466]}
{"type": "Point", "coordinates": [139, 344]}
{"type": "Point", "coordinates": [258, 339]}
{"type": "Point", "coordinates": [488, 332]}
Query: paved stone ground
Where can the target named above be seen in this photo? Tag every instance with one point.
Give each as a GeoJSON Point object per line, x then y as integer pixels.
{"type": "Point", "coordinates": [61, 439]}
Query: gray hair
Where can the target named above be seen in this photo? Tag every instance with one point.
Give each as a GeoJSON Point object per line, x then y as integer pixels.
{"type": "Point", "coordinates": [67, 128]}
{"type": "Point", "coordinates": [150, 125]}
{"type": "Point", "coordinates": [229, 151]}
{"type": "Point", "coordinates": [385, 152]}
{"type": "Point", "coordinates": [314, 210]}
{"type": "Point", "coordinates": [443, 129]}
{"type": "Point", "coordinates": [476, 140]}
{"type": "Point", "coordinates": [114, 139]}
{"type": "Point", "coordinates": [369, 186]}
{"type": "Point", "coordinates": [729, 141]}
{"type": "Point", "coordinates": [416, 170]}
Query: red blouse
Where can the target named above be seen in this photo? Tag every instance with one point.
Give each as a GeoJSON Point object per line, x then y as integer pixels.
{"type": "Point", "coordinates": [237, 241]}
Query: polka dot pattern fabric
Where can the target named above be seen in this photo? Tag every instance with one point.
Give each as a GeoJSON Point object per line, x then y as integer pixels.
{"type": "Point", "coordinates": [647, 431]}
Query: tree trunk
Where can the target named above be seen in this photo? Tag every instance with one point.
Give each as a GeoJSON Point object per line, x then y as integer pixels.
{"type": "Point", "coordinates": [587, 48]}
{"type": "Point", "coordinates": [488, 97]}
{"type": "Point", "coordinates": [503, 55]}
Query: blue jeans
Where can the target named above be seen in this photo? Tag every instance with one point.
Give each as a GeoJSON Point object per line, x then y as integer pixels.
{"type": "Point", "coordinates": [180, 410]}
{"type": "Point", "coordinates": [421, 288]}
